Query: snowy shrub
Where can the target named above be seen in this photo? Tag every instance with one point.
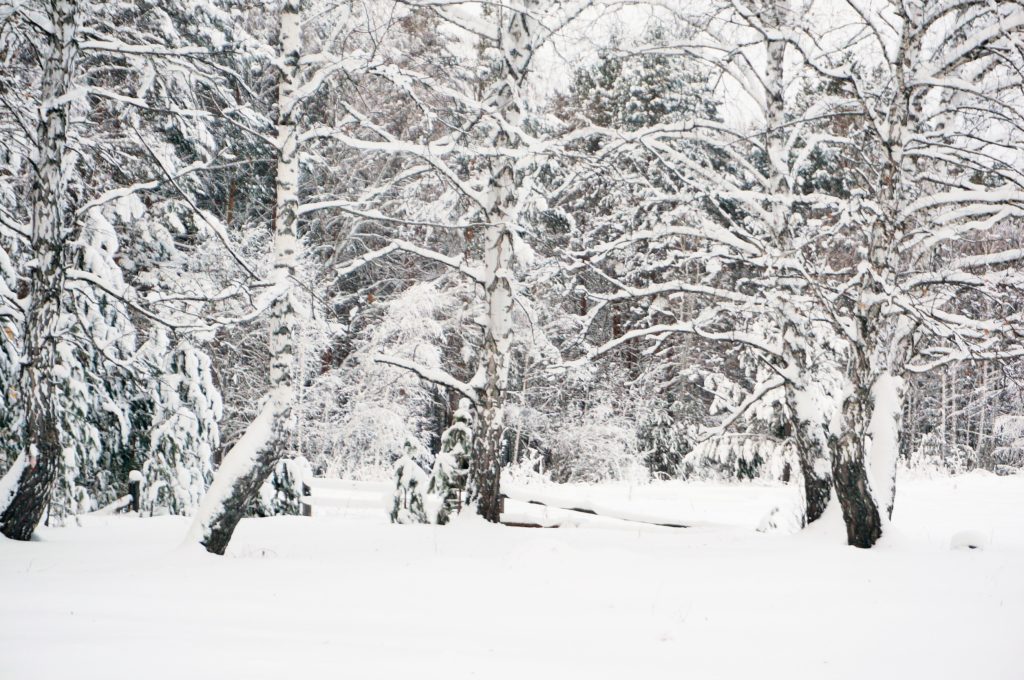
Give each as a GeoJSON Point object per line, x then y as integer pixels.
{"type": "Point", "coordinates": [409, 504]}
{"type": "Point", "coordinates": [356, 418]}
{"type": "Point", "coordinates": [282, 493]}
{"type": "Point", "coordinates": [448, 476]}
{"type": "Point", "coordinates": [600, 446]}
{"type": "Point", "coordinates": [1008, 455]}
{"type": "Point", "coordinates": [933, 456]}
{"type": "Point", "coordinates": [183, 407]}
{"type": "Point", "coordinates": [663, 442]}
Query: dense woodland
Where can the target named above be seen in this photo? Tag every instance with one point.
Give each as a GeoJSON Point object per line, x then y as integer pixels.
{"type": "Point", "coordinates": [242, 243]}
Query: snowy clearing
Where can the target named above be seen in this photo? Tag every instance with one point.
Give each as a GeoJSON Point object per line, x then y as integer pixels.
{"type": "Point", "coordinates": [353, 596]}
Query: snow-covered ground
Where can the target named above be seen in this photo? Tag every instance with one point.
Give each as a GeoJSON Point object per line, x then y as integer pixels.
{"type": "Point", "coordinates": [353, 597]}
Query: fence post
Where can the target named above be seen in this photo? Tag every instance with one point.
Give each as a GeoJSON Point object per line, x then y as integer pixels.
{"type": "Point", "coordinates": [135, 490]}
{"type": "Point", "coordinates": [307, 509]}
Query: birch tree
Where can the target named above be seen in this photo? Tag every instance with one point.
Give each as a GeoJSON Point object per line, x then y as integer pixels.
{"type": "Point", "coordinates": [938, 124]}
{"type": "Point", "coordinates": [489, 197]}
{"type": "Point", "coordinates": [127, 197]}
{"type": "Point", "coordinates": [254, 456]}
{"type": "Point", "coordinates": [737, 206]}
{"type": "Point", "coordinates": [516, 39]}
{"type": "Point", "coordinates": [29, 482]}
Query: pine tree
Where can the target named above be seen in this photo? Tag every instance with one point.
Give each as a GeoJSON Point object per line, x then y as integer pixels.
{"type": "Point", "coordinates": [183, 407]}
{"type": "Point", "coordinates": [409, 497]}
{"type": "Point", "coordinates": [448, 477]}
{"type": "Point", "coordinates": [664, 442]}
{"type": "Point", "coordinates": [47, 377]}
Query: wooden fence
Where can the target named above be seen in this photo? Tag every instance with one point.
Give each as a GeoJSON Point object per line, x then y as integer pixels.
{"type": "Point", "coordinates": [341, 495]}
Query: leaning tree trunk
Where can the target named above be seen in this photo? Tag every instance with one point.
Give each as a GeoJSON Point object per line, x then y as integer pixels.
{"type": "Point", "coordinates": [516, 38]}
{"type": "Point", "coordinates": [250, 461]}
{"type": "Point", "coordinates": [806, 419]}
{"type": "Point", "coordinates": [812, 447]}
{"type": "Point", "coordinates": [52, 230]}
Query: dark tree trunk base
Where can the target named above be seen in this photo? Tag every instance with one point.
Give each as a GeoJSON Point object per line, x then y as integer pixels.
{"type": "Point", "coordinates": [863, 521]}
{"type": "Point", "coordinates": [35, 484]}
{"type": "Point", "coordinates": [237, 504]}
{"type": "Point", "coordinates": [484, 489]}
{"type": "Point", "coordinates": [817, 494]}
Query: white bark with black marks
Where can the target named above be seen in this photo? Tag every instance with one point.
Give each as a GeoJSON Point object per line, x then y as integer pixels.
{"type": "Point", "coordinates": [250, 461]}
{"type": "Point", "coordinates": [517, 42]}
{"type": "Point", "coordinates": [53, 229]}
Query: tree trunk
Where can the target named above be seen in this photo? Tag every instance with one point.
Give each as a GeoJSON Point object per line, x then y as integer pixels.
{"type": "Point", "coordinates": [808, 423]}
{"type": "Point", "coordinates": [516, 42]}
{"type": "Point", "coordinates": [850, 474]}
{"type": "Point", "coordinates": [52, 230]}
{"type": "Point", "coordinates": [250, 461]}
{"type": "Point", "coordinates": [812, 447]}
{"type": "Point", "coordinates": [864, 466]}
{"type": "Point", "coordinates": [860, 512]}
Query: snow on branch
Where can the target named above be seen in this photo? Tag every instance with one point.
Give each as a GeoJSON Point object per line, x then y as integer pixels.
{"type": "Point", "coordinates": [456, 263]}
{"type": "Point", "coordinates": [433, 375]}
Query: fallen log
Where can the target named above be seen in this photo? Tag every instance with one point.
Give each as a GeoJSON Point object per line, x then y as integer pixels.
{"type": "Point", "coordinates": [534, 497]}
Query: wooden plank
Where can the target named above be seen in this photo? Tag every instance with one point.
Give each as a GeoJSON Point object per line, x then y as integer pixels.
{"type": "Point", "coordinates": [346, 502]}
{"type": "Point", "coordinates": [347, 485]}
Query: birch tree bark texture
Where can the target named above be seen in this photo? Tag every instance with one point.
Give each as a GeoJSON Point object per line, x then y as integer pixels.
{"type": "Point", "coordinates": [264, 442]}
{"type": "Point", "coordinates": [30, 481]}
{"type": "Point", "coordinates": [517, 42]}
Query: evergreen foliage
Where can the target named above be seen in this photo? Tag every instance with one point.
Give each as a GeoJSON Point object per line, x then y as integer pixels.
{"type": "Point", "coordinates": [409, 504]}
{"type": "Point", "coordinates": [448, 477]}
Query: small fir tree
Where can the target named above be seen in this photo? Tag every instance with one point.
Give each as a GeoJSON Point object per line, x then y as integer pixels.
{"type": "Point", "coordinates": [183, 407]}
{"type": "Point", "coordinates": [664, 442]}
{"type": "Point", "coordinates": [411, 483]}
{"type": "Point", "coordinates": [282, 493]}
{"type": "Point", "coordinates": [448, 477]}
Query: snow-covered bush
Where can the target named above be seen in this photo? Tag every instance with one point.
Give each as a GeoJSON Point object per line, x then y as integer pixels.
{"type": "Point", "coordinates": [663, 441]}
{"type": "Point", "coordinates": [598, 445]}
{"type": "Point", "coordinates": [933, 456]}
{"type": "Point", "coordinates": [409, 499]}
{"type": "Point", "coordinates": [357, 416]}
{"type": "Point", "coordinates": [282, 493]}
{"type": "Point", "coordinates": [451, 466]}
{"type": "Point", "coordinates": [1008, 454]}
{"type": "Point", "coordinates": [184, 408]}
{"type": "Point", "coordinates": [740, 456]}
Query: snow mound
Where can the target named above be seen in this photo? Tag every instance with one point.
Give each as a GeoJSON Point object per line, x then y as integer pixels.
{"type": "Point", "coordinates": [970, 539]}
{"type": "Point", "coordinates": [781, 519]}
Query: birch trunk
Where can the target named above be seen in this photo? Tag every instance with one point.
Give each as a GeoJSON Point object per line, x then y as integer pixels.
{"type": "Point", "coordinates": [52, 231]}
{"type": "Point", "coordinates": [813, 452]}
{"type": "Point", "coordinates": [251, 460]}
{"type": "Point", "coordinates": [806, 414]}
{"type": "Point", "coordinates": [516, 41]}
{"type": "Point", "coordinates": [864, 468]}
